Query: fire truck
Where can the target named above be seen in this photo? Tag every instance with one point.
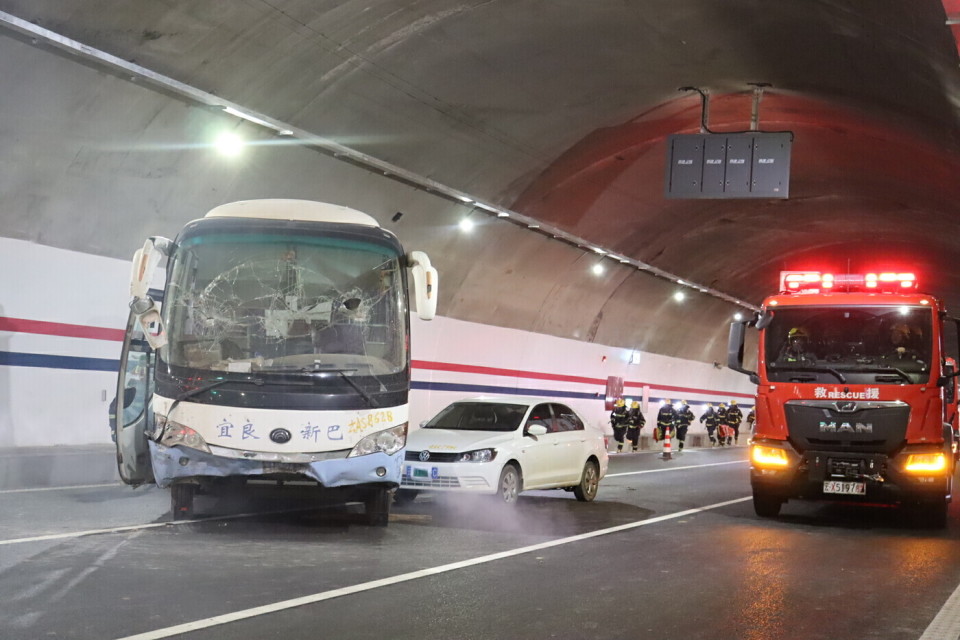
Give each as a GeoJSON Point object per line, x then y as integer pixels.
{"type": "Point", "coordinates": [856, 397]}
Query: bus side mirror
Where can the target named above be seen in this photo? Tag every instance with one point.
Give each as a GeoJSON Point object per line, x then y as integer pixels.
{"type": "Point", "coordinates": [148, 316]}
{"type": "Point", "coordinates": [425, 283]}
{"type": "Point", "coordinates": [735, 349]}
{"type": "Point", "coordinates": [145, 262]}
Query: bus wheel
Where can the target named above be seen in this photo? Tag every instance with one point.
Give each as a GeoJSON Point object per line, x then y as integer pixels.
{"type": "Point", "coordinates": [377, 507]}
{"type": "Point", "coordinates": [405, 496]}
{"type": "Point", "coordinates": [181, 500]}
{"type": "Point", "coordinates": [766, 506]}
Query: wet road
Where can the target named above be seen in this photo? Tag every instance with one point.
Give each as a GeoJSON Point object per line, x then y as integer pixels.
{"type": "Point", "coordinates": [670, 549]}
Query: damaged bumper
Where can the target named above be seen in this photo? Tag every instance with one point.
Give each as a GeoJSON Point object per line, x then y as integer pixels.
{"type": "Point", "coordinates": [335, 470]}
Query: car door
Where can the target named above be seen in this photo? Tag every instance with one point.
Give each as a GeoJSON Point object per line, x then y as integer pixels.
{"type": "Point", "coordinates": [131, 416]}
{"type": "Point", "coordinates": [537, 452]}
{"type": "Point", "coordinates": [570, 443]}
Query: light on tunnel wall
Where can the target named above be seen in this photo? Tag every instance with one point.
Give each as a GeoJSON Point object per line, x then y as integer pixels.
{"type": "Point", "coordinates": [466, 225]}
{"type": "Point", "coordinates": [228, 144]}
{"type": "Point", "coordinates": [634, 357]}
{"type": "Point", "coordinates": [738, 317]}
{"type": "Point", "coordinates": [597, 269]}
{"type": "Point", "coordinates": [679, 296]}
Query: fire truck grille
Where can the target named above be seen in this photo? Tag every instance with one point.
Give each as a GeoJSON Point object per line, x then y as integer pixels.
{"type": "Point", "coordinates": [869, 427]}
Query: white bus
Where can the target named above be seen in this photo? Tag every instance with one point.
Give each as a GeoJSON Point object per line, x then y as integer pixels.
{"type": "Point", "coordinates": [281, 354]}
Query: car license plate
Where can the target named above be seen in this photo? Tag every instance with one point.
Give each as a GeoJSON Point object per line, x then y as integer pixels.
{"type": "Point", "coordinates": [420, 473]}
{"type": "Point", "coordinates": [845, 488]}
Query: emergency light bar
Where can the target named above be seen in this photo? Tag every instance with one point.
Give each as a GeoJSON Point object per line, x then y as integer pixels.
{"type": "Point", "coordinates": [817, 282]}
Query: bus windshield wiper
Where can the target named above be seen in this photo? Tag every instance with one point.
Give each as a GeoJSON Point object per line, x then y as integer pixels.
{"type": "Point", "coordinates": [840, 376]}
{"type": "Point", "coordinates": [207, 387]}
{"type": "Point", "coordinates": [316, 368]}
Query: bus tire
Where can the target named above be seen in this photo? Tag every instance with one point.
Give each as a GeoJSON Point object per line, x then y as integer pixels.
{"type": "Point", "coordinates": [377, 507]}
{"type": "Point", "coordinates": [181, 500]}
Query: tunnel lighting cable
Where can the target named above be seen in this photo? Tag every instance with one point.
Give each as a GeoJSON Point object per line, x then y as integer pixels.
{"type": "Point", "coordinates": [253, 612]}
{"type": "Point", "coordinates": [134, 72]}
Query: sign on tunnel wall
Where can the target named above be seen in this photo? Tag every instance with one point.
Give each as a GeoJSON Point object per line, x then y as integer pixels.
{"type": "Point", "coordinates": [729, 165]}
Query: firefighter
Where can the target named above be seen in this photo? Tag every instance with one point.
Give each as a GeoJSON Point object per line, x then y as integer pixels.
{"type": "Point", "coordinates": [796, 350]}
{"type": "Point", "coordinates": [635, 422]}
{"type": "Point", "coordinates": [618, 418]}
{"type": "Point", "coordinates": [722, 426]}
{"type": "Point", "coordinates": [709, 420]}
{"type": "Point", "coordinates": [751, 419]}
{"type": "Point", "coordinates": [684, 418]}
{"type": "Point", "coordinates": [665, 419]}
{"type": "Point", "coordinates": [734, 418]}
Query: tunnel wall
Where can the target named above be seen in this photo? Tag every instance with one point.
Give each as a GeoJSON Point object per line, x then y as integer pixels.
{"type": "Point", "coordinates": [62, 315]}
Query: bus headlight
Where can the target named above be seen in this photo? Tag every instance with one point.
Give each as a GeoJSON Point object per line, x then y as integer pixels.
{"type": "Point", "coordinates": [175, 433]}
{"type": "Point", "coordinates": [926, 463]}
{"type": "Point", "coordinates": [768, 456]}
{"type": "Point", "coordinates": [388, 441]}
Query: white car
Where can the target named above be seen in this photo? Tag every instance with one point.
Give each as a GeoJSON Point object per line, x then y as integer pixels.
{"type": "Point", "coordinates": [502, 445]}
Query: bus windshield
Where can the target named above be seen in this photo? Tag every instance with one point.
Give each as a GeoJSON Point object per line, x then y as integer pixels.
{"type": "Point", "coordinates": [286, 302]}
{"type": "Point", "coordinates": [857, 345]}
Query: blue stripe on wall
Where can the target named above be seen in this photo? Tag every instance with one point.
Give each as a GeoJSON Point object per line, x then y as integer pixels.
{"type": "Point", "coordinates": [13, 359]}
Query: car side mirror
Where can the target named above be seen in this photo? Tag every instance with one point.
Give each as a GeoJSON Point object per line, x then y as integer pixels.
{"type": "Point", "coordinates": [536, 430]}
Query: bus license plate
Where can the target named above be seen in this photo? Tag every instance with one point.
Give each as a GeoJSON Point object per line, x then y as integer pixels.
{"type": "Point", "coordinates": [845, 488]}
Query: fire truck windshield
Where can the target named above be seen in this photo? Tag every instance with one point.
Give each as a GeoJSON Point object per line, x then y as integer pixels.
{"type": "Point", "coordinates": [856, 344]}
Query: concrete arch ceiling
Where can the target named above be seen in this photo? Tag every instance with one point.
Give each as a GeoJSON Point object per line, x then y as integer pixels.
{"type": "Point", "coordinates": [555, 109]}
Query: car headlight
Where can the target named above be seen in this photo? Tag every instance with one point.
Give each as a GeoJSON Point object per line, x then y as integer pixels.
{"type": "Point", "coordinates": [388, 441]}
{"type": "Point", "coordinates": [174, 433]}
{"type": "Point", "coordinates": [480, 455]}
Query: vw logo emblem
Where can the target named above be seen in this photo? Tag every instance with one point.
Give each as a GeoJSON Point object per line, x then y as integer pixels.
{"type": "Point", "coordinates": [280, 436]}
{"type": "Point", "coordinates": [424, 456]}
{"type": "Point", "coordinates": [846, 407]}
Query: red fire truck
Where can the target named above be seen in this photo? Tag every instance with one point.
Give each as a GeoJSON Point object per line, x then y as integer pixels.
{"type": "Point", "coordinates": [855, 394]}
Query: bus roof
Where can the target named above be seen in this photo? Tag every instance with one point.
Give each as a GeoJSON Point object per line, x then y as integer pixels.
{"type": "Point", "coordinates": [283, 209]}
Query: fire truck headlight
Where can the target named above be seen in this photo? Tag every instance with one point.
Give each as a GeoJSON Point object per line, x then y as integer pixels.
{"type": "Point", "coordinates": [388, 441]}
{"type": "Point", "coordinates": [926, 463]}
{"type": "Point", "coordinates": [179, 434]}
{"type": "Point", "coordinates": [768, 456]}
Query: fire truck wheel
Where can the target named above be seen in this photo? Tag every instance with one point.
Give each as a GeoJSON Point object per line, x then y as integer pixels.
{"type": "Point", "coordinates": [181, 500]}
{"type": "Point", "coordinates": [932, 515]}
{"type": "Point", "coordinates": [766, 506]}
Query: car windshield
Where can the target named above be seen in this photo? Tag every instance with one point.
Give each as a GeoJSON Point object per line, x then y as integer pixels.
{"type": "Point", "coordinates": [275, 302]}
{"type": "Point", "coordinates": [876, 345]}
{"type": "Point", "coordinates": [479, 416]}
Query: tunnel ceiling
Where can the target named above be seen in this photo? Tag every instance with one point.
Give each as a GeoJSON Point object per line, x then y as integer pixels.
{"type": "Point", "coordinates": [560, 110]}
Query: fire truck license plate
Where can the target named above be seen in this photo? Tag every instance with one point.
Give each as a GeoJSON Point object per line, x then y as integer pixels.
{"type": "Point", "coordinates": [845, 488]}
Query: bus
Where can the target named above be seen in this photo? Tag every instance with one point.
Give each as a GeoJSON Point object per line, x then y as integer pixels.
{"type": "Point", "coordinates": [277, 353]}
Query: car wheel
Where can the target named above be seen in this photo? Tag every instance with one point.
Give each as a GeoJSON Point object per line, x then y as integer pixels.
{"type": "Point", "coordinates": [766, 506]}
{"type": "Point", "coordinates": [589, 482]}
{"type": "Point", "coordinates": [509, 488]}
{"type": "Point", "coordinates": [405, 496]}
{"type": "Point", "coordinates": [181, 500]}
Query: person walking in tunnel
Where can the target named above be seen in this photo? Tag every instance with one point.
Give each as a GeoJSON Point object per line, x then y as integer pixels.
{"type": "Point", "coordinates": [751, 418]}
{"type": "Point", "coordinates": [666, 418]}
{"type": "Point", "coordinates": [618, 419]}
{"type": "Point", "coordinates": [635, 422]}
{"type": "Point", "coordinates": [723, 429]}
{"type": "Point", "coordinates": [734, 418]}
{"type": "Point", "coordinates": [709, 420]}
{"type": "Point", "coordinates": [684, 418]}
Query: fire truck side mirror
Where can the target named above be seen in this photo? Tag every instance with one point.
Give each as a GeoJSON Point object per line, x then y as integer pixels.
{"type": "Point", "coordinates": [735, 349]}
{"type": "Point", "coordinates": [763, 320]}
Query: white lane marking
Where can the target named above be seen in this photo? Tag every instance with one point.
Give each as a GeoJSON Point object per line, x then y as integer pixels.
{"type": "Point", "coordinates": [244, 614]}
{"type": "Point", "coordinates": [946, 624]}
{"type": "Point", "coordinates": [692, 466]}
{"type": "Point", "coordinates": [138, 527]}
{"type": "Point", "coordinates": [64, 488]}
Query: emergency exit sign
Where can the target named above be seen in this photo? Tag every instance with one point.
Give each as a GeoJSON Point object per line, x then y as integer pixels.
{"type": "Point", "coordinates": [729, 165]}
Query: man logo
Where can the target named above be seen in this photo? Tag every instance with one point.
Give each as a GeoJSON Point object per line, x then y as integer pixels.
{"type": "Point", "coordinates": [280, 436]}
{"type": "Point", "coordinates": [846, 427]}
{"type": "Point", "coordinates": [424, 456]}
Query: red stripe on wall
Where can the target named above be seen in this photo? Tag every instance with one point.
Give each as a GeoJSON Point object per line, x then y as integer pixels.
{"type": "Point", "coordinates": [20, 325]}
{"type": "Point", "coordinates": [536, 375]}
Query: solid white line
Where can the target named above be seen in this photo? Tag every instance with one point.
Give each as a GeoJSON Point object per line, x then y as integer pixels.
{"type": "Point", "coordinates": [64, 488]}
{"type": "Point", "coordinates": [692, 466]}
{"type": "Point", "coordinates": [406, 577]}
{"type": "Point", "coordinates": [138, 527]}
{"type": "Point", "coordinates": [946, 624]}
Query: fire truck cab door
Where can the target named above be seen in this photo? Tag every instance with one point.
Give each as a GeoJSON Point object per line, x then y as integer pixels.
{"type": "Point", "coordinates": [134, 417]}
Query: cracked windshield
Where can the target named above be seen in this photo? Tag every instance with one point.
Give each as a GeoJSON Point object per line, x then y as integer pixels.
{"type": "Point", "coordinates": [887, 344]}
{"type": "Point", "coordinates": [252, 303]}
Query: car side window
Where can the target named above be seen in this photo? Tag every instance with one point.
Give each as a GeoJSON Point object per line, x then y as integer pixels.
{"type": "Point", "coordinates": [567, 420]}
{"type": "Point", "coordinates": [541, 416]}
